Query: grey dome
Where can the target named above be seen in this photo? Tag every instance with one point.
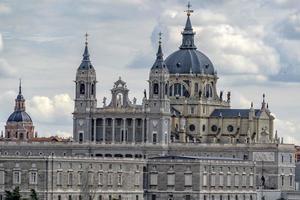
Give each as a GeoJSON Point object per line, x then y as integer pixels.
{"type": "Point", "coordinates": [19, 116]}
{"type": "Point", "coordinates": [185, 61]}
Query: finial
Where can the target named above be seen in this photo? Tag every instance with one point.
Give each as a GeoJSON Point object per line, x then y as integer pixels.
{"type": "Point", "coordinates": [20, 86]}
{"type": "Point", "coordinates": [189, 10]}
{"type": "Point", "coordinates": [86, 38]}
{"type": "Point", "coordinates": [159, 38]}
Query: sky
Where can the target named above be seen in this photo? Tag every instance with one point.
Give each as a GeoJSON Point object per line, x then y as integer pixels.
{"type": "Point", "coordinates": [254, 46]}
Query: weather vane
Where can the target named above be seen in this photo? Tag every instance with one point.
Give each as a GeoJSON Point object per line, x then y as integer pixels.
{"type": "Point", "coordinates": [189, 10]}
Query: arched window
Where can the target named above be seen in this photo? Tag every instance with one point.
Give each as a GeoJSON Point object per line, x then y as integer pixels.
{"type": "Point", "coordinates": [82, 88]}
{"type": "Point", "coordinates": [196, 88]}
{"type": "Point", "coordinates": [208, 91]}
{"type": "Point", "coordinates": [177, 89]}
{"type": "Point", "coordinates": [8, 134]}
{"type": "Point", "coordinates": [166, 89]}
{"type": "Point", "coordinates": [155, 88]}
{"type": "Point", "coordinates": [93, 89]}
{"type": "Point", "coordinates": [171, 91]}
{"type": "Point", "coordinates": [80, 137]}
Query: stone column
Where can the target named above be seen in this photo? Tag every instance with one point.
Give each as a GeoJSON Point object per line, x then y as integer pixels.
{"type": "Point", "coordinates": [124, 131]}
{"type": "Point", "coordinates": [133, 130]}
{"type": "Point", "coordinates": [95, 129]}
{"type": "Point", "coordinates": [103, 120]}
{"type": "Point", "coordinates": [147, 129]}
{"type": "Point", "coordinates": [113, 131]}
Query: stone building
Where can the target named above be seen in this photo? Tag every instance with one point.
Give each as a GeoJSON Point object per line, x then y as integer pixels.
{"type": "Point", "coordinates": [19, 125]}
{"type": "Point", "coordinates": [184, 138]}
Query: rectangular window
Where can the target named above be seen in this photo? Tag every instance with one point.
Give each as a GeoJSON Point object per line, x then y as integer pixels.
{"type": "Point", "coordinates": [236, 180]}
{"type": "Point", "coordinates": [282, 180]}
{"type": "Point", "coordinates": [2, 177]}
{"type": "Point", "coordinates": [33, 178]}
{"type": "Point", "coordinates": [291, 180]}
{"type": "Point", "coordinates": [17, 177]}
{"type": "Point", "coordinates": [109, 179]}
{"type": "Point", "coordinates": [213, 180]}
{"type": "Point", "coordinates": [154, 138]}
{"type": "Point", "coordinates": [244, 180]}
{"type": "Point", "coordinates": [59, 178]}
{"type": "Point", "coordinates": [187, 197]}
{"type": "Point", "coordinates": [171, 179]}
{"type": "Point", "coordinates": [100, 178]}
{"type": "Point", "coordinates": [153, 179]}
{"type": "Point", "coordinates": [188, 179]}
{"type": "Point", "coordinates": [70, 178]}
{"type": "Point", "coordinates": [153, 197]}
{"type": "Point", "coordinates": [204, 179]}
{"type": "Point", "coordinates": [119, 178]}
{"type": "Point", "coordinates": [136, 179]}
{"type": "Point", "coordinates": [91, 178]}
{"type": "Point", "coordinates": [228, 180]}
{"type": "Point", "coordinates": [251, 184]}
{"type": "Point", "coordinates": [221, 180]}
{"type": "Point", "coordinates": [79, 178]}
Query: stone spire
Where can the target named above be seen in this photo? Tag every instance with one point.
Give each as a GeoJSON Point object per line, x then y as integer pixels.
{"type": "Point", "coordinates": [159, 62]}
{"type": "Point", "coordinates": [188, 34]}
{"type": "Point", "coordinates": [86, 63]}
{"type": "Point", "coordinates": [20, 101]}
{"type": "Point", "coordinates": [263, 104]}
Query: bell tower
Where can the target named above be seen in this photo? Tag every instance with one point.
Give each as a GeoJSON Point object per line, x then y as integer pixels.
{"type": "Point", "coordinates": [85, 97]}
{"type": "Point", "coordinates": [158, 102]}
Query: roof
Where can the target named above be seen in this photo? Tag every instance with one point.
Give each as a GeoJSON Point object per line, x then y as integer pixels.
{"type": "Point", "coordinates": [185, 61]}
{"type": "Point", "coordinates": [170, 157]}
{"type": "Point", "coordinates": [244, 113]}
{"type": "Point", "coordinates": [19, 116]}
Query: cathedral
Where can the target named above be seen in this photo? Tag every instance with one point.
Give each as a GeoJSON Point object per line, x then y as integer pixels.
{"type": "Point", "coordinates": [184, 141]}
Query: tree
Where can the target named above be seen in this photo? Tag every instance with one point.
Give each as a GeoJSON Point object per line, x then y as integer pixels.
{"type": "Point", "coordinates": [33, 195]}
{"type": "Point", "coordinates": [14, 195]}
{"type": "Point", "coordinates": [88, 185]}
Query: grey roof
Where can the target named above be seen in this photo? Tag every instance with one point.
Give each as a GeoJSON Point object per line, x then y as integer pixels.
{"type": "Point", "coordinates": [19, 116]}
{"type": "Point", "coordinates": [244, 113]}
{"type": "Point", "coordinates": [159, 62]}
{"type": "Point", "coordinates": [86, 63]}
{"type": "Point", "coordinates": [171, 157]}
{"type": "Point", "coordinates": [185, 61]}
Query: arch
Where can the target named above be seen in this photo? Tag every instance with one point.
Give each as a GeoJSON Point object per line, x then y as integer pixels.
{"type": "Point", "coordinates": [128, 156]}
{"type": "Point", "coordinates": [118, 156]}
{"type": "Point", "coordinates": [108, 155]}
{"type": "Point", "coordinates": [179, 89]}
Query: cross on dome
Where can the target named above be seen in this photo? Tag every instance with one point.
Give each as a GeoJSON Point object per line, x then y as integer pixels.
{"type": "Point", "coordinates": [189, 10]}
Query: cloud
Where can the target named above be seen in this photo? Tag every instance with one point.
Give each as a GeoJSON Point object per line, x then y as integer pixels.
{"type": "Point", "coordinates": [57, 109]}
{"type": "Point", "coordinates": [290, 27]}
{"type": "Point", "coordinates": [6, 71]}
{"type": "Point", "coordinates": [4, 9]}
{"type": "Point", "coordinates": [288, 130]}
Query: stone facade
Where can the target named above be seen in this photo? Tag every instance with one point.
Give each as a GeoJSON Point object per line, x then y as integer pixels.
{"type": "Point", "coordinates": [183, 141]}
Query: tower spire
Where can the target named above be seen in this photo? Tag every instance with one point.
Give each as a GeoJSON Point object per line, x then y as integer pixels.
{"type": "Point", "coordinates": [86, 63]}
{"type": "Point", "coordinates": [188, 34]}
{"type": "Point", "coordinates": [159, 62]}
{"type": "Point", "coordinates": [20, 86]}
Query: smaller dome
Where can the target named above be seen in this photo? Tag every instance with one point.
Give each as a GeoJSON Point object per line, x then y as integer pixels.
{"type": "Point", "coordinates": [19, 116]}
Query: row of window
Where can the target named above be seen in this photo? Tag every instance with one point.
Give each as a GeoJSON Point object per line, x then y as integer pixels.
{"type": "Point", "coordinates": [211, 197]}
{"type": "Point", "coordinates": [89, 178]}
{"type": "Point", "coordinates": [99, 197]}
{"type": "Point", "coordinates": [17, 177]}
{"type": "Point", "coordinates": [209, 180]}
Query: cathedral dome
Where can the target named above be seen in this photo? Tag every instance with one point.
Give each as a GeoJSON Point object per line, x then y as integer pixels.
{"type": "Point", "coordinates": [188, 59]}
{"type": "Point", "coordinates": [185, 61]}
{"type": "Point", "coordinates": [19, 116]}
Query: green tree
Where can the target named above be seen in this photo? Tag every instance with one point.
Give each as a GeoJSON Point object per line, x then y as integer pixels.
{"type": "Point", "coordinates": [14, 195]}
{"type": "Point", "coordinates": [33, 195]}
